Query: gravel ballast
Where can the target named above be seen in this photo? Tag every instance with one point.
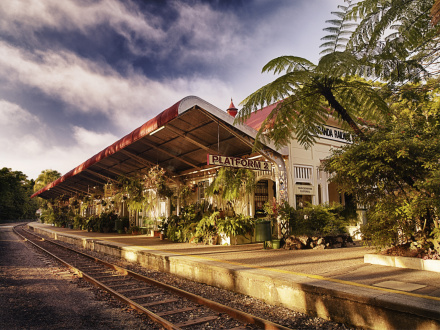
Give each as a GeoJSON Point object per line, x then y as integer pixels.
{"type": "Point", "coordinates": [101, 305]}
{"type": "Point", "coordinates": [35, 295]}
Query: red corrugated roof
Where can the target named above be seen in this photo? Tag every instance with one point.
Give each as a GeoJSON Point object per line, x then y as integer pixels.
{"type": "Point", "coordinates": [174, 137]}
{"type": "Point", "coordinates": [257, 118]}
{"type": "Point", "coordinates": [151, 125]}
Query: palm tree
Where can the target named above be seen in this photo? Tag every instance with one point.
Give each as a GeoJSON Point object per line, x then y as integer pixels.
{"type": "Point", "coordinates": [44, 178]}
{"type": "Point", "coordinates": [307, 94]}
{"type": "Point", "coordinates": [398, 36]}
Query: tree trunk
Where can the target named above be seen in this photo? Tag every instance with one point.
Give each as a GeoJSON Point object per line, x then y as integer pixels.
{"type": "Point", "coordinates": [327, 93]}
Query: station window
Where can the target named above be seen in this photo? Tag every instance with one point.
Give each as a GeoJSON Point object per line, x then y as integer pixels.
{"type": "Point", "coordinates": [261, 197]}
{"type": "Point", "coordinates": [202, 185]}
{"type": "Point", "coordinates": [303, 174]}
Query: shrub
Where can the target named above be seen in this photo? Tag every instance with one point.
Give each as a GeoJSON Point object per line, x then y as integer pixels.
{"type": "Point", "coordinates": [79, 222]}
{"type": "Point", "coordinates": [107, 221]}
{"type": "Point", "coordinates": [207, 227]}
{"type": "Point", "coordinates": [315, 220]}
{"type": "Point", "coordinates": [92, 223]}
{"type": "Point", "coordinates": [238, 225]}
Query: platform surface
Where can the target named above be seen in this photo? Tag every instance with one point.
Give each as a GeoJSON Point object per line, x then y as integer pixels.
{"type": "Point", "coordinates": [336, 269]}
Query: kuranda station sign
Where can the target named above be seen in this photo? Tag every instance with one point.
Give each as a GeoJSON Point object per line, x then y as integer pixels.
{"type": "Point", "coordinates": [335, 134]}
{"type": "Point", "coordinates": [238, 162]}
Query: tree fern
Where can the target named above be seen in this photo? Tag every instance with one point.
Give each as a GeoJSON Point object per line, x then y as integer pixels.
{"type": "Point", "coordinates": [392, 42]}
{"type": "Point", "coordinates": [339, 32]}
{"type": "Point", "coordinates": [395, 35]}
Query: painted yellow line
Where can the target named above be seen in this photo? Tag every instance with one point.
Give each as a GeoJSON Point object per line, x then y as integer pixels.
{"type": "Point", "coordinates": [312, 276]}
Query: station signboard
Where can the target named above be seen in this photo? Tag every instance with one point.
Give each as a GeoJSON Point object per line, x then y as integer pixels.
{"type": "Point", "coordinates": [251, 164]}
{"type": "Point", "coordinates": [304, 189]}
{"type": "Point", "coordinates": [335, 134]}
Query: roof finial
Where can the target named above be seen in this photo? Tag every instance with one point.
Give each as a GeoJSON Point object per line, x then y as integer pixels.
{"type": "Point", "coordinates": [232, 110]}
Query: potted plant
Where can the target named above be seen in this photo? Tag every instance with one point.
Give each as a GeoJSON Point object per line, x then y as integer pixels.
{"type": "Point", "coordinates": [163, 227]}
{"type": "Point", "coordinates": [135, 230]}
{"type": "Point", "coordinates": [238, 225]}
{"type": "Point", "coordinates": [207, 229]}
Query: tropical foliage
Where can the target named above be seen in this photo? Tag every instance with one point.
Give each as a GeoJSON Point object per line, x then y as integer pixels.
{"type": "Point", "coordinates": [319, 220]}
{"type": "Point", "coordinates": [359, 44]}
{"type": "Point", "coordinates": [307, 93]}
{"type": "Point", "coordinates": [200, 223]}
{"type": "Point", "coordinates": [141, 191]}
{"type": "Point", "coordinates": [44, 178]}
{"type": "Point", "coordinates": [15, 192]}
{"type": "Point", "coordinates": [397, 36]}
{"type": "Point", "coordinates": [396, 171]}
{"type": "Point", "coordinates": [232, 185]}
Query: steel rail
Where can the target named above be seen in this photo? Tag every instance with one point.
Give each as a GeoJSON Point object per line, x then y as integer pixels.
{"type": "Point", "coordinates": [234, 313]}
{"type": "Point", "coordinates": [166, 324]}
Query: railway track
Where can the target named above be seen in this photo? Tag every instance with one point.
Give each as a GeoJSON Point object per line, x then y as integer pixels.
{"type": "Point", "coordinates": [168, 306]}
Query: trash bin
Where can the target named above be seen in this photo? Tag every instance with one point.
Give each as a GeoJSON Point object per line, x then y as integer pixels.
{"type": "Point", "coordinates": [119, 225]}
{"type": "Point", "coordinates": [275, 244]}
{"type": "Point", "coordinates": [263, 231]}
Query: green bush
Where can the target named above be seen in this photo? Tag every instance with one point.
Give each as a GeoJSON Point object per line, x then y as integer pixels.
{"type": "Point", "coordinates": [183, 228]}
{"type": "Point", "coordinates": [319, 220]}
{"type": "Point", "coordinates": [207, 227]}
{"type": "Point", "coordinates": [106, 221]}
{"type": "Point", "coordinates": [79, 222]}
{"type": "Point", "coordinates": [238, 225]}
{"type": "Point", "coordinates": [92, 223]}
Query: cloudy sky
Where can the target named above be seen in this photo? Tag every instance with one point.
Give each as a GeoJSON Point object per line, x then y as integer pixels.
{"type": "Point", "coordinates": [77, 75]}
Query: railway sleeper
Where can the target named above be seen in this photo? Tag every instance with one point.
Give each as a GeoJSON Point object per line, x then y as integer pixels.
{"type": "Point", "coordinates": [145, 296]}
{"type": "Point", "coordinates": [196, 321]}
{"type": "Point", "coordinates": [160, 302]}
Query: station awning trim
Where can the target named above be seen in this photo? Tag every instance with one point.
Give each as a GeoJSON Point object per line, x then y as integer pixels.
{"type": "Point", "coordinates": [189, 130]}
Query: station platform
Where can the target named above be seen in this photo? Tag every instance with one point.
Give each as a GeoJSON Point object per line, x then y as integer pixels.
{"type": "Point", "coordinates": [334, 284]}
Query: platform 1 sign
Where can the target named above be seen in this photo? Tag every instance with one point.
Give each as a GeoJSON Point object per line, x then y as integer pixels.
{"type": "Point", "coordinates": [239, 162]}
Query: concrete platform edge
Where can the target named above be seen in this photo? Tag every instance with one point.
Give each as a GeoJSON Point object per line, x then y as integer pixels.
{"type": "Point", "coordinates": [341, 303]}
{"type": "Point", "coordinates": [403, 262]}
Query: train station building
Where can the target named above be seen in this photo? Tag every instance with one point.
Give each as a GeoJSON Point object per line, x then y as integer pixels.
{"type": "Point", "coordinates": [190, 141]}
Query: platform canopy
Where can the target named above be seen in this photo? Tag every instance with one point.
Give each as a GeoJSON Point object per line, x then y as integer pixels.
{"type": "Point", "coordinates": [178, 140]}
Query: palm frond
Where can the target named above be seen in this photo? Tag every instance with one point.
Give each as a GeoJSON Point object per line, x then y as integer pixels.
{"type": "Point", "coordinates": [279, 89]}
{"type": "Point", "coordinates": [339, 64]}
{"type": "Point", "coordinates": [296, 118]}
{"type": "Point", "coordinates": [338, 28]}
{"type": "Point", "coordinates": [288, 64]}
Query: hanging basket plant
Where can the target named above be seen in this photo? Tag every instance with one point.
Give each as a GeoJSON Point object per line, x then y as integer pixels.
{"type": "Point", "coordinates": [231, 185]}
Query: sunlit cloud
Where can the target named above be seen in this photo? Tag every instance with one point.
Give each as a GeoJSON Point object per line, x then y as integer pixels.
{"type": "Point", "coordinates": [13, 116]}
{"type": "Point", "coordinates": [90, 139]}
{"type": "Point", "coordinates": [185, 48]}
{"type": "Point", "coordinates": [92, 87]}
{"type": "Point", "coordinates": [20, 17]}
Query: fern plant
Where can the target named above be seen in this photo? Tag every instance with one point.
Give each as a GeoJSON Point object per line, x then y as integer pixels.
{"type": "Point", "coordinates": [239, 225]}
{"type": "Point", "coordinates": [396, 36]}
{"type": "Point", "coordinates": [340, 30]}
{"type": "Point", "coordinates": [307, 93]}
{"type": "Point", "coordinates": [387, 40]}
{"type": "Point", "coordinates": [232, 185]}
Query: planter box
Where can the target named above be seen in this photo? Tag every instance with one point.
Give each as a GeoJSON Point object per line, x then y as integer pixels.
{"type": "Point", "coordinates": [403, 262]}
{"type": "Point", "coordinates": [226, 240]}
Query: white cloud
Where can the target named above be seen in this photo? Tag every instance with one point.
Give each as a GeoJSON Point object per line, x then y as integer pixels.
{"type": "Point", "coordinates": [93, 140]}
{"type": "Point", "coordinates": [210, 34]}
{"type": "Point", "coordinates": [21, 17]}
{"type": "Point", "coordinates": [213, 39]}
{"type": "Point", "coordinates": [12, 115]}
{"type": "Point", "coordinates": [92, 87]}
{"type": "Point", "coordinates": [30, 154]}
